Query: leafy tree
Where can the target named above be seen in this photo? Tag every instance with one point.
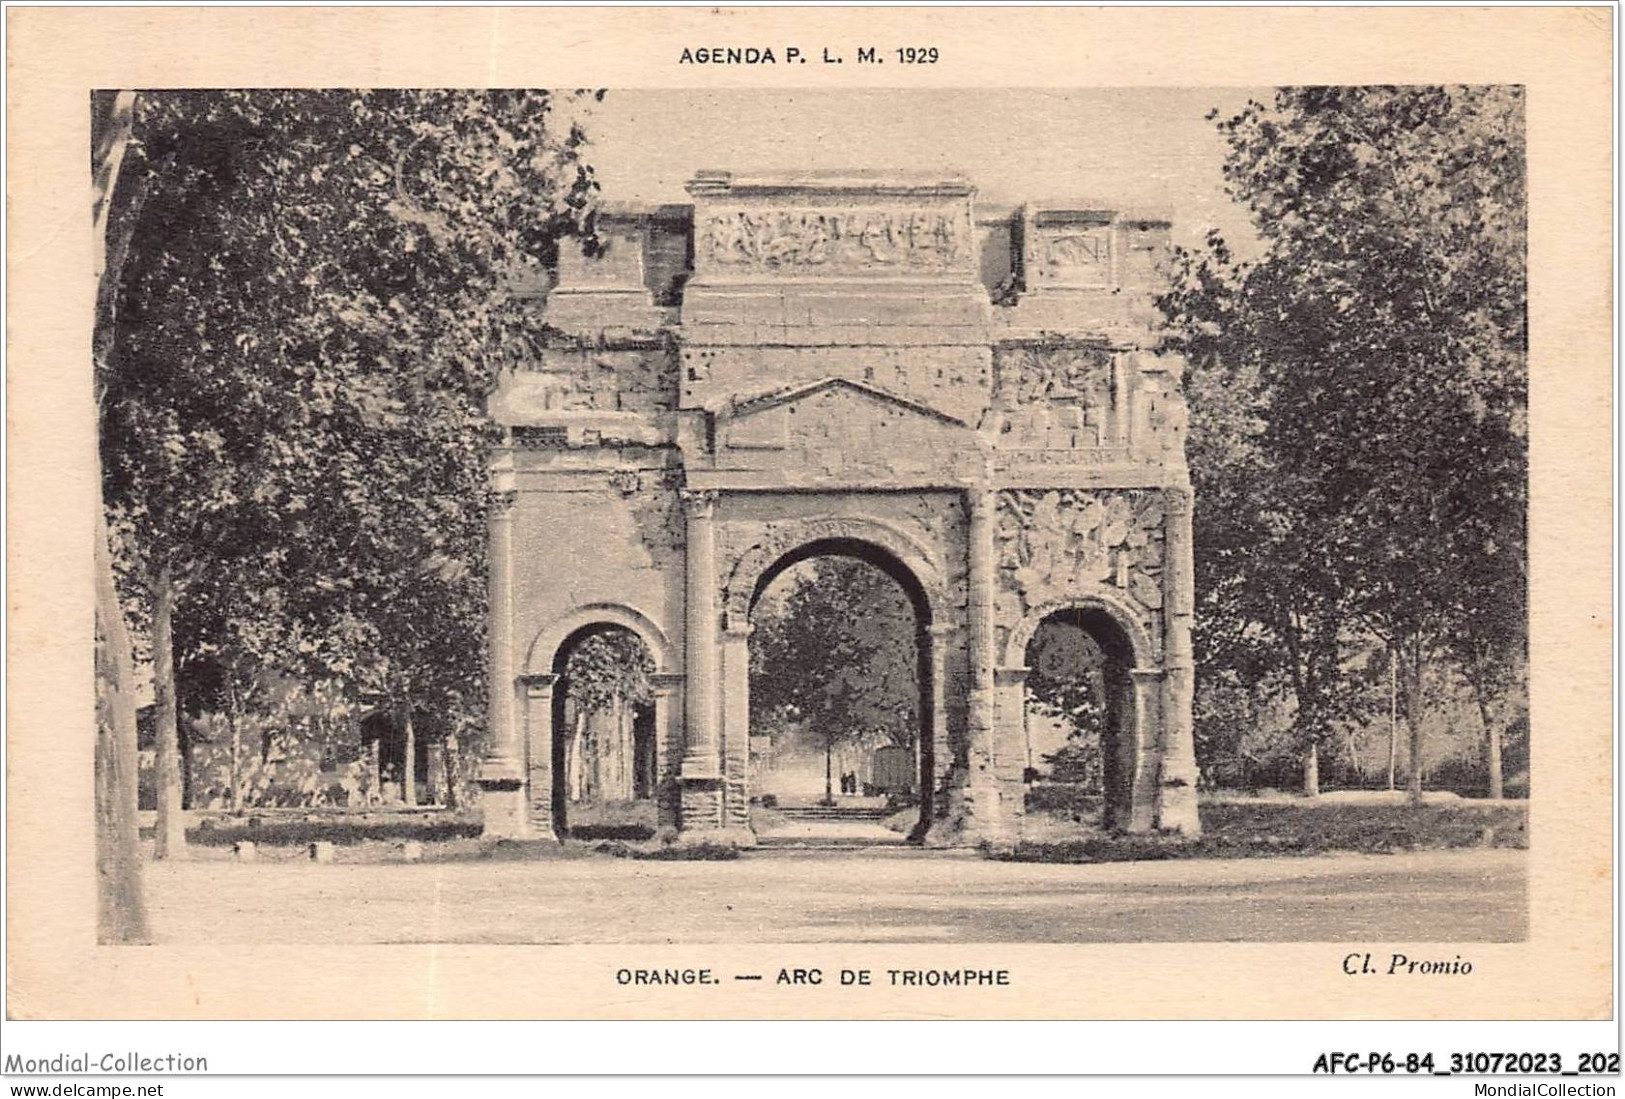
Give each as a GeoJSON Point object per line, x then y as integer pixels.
{"type": "Point", "coordinates": [1272, 585]}
{"type": "Point", "coordinates": [606, 673]}
{"type": "Point", "coordinates": [1385, 324]}
{"type": "Point", "coordinates": [608, 669]}
{"type": "Point", "coordinates": [320, 292]}
{"type": "Point", "coordinates": [838, 654]}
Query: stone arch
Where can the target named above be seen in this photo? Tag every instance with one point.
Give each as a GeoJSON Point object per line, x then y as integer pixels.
{"type": "Point", "coordinates": [909, 563]}
{"type": "Point", "coordinates": [1128, 687]}
{"type": "Point", "coordinates": [544, 698]}
{"type": "Point", "coordinates": [548, 641]}
{"type": "Point", "coordinates": [1147, 654]}
{"type": "Point", "coordinates": [757, 564]}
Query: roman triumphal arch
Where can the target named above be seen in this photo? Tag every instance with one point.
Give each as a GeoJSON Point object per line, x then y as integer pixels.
{"type": "Point", "coordinates": [869, 363]}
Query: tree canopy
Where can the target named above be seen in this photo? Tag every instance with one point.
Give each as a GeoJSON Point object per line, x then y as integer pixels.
{"type": "Point", "coordinates": [838, 652]}
{"type": "Point", "coordinates": [1359, 389]}
{"type": "Point", "coordinates": [320, 289]}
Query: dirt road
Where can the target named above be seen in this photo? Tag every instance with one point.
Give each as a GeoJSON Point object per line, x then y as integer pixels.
{"type": "Point", "coordinates": [886, 895]}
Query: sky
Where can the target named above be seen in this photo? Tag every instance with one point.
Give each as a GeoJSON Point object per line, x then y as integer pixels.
{"type": "Point", "coordinates": [1146, 149]}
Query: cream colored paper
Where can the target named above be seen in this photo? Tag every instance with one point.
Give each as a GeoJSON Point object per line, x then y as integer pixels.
{"type": "Point", "coordinates": [58, 55]}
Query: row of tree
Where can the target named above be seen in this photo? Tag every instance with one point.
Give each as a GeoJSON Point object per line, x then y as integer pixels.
{"type": "Point", "coordinates": [1358, 393]}
{"type": "Point", "coordinates": [303, 301]}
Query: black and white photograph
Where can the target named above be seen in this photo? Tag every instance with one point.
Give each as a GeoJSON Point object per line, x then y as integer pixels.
{"type": "Point", "coordinates": [883, 553]}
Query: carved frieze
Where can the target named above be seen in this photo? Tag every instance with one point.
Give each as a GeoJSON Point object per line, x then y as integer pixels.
{"type": "Point", "coordinates": [859, 238]}
{"type": "Point", "coordinates": [1028, 375]}
{"type": "Point", "coordinates": [1064, 543]}
{"type": "Point", "coordinates": [1056, 398]}
{"type": "Point", "coordinates": [1166, 414]}
{"type": "Point", "coordinates": [1071, 249]}
{"type": "Point", "coordinates": [1079, 249]}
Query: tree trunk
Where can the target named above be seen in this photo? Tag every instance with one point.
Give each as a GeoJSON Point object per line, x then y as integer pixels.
{"type": "Point", "coordinates": [1393, 717]}
{"type": "Point", "coordinates": [1413, 719]}
{"type": "Point", "coordinates": [449, 758]}
{"type": "Point", "coordinates": [409, 769]}
{"type": "Point", "coordinates": [121, 915]}
{"type": "Point", "coordinates": [1311, 771]}
{"type": "Point", "coordinates": [169, 837]}
{"type": "Point", "coordinates": [1492, 737]}
{"type": "Point", "coordinates": [183, 736]}
{"type": "Point", "coordinates": [829, 753]}
{"type": "Point", "coordinates": [234, 723]}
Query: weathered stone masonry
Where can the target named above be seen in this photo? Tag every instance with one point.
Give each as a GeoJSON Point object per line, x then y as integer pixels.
{"type": "Point", "coordinates": [862, 363]}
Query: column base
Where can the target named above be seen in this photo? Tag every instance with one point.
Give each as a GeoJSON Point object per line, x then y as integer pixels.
{"type": "Point", "coordinates": [701, 806]}
{"type": "Point", "coordinates": [504, 803]}
{"type": "Point", "coordinates": [1177, 810]}
{"type": "Point", "coordinates": [974, 816]}
{"type": "Point", "coordinates": [1143, 795]}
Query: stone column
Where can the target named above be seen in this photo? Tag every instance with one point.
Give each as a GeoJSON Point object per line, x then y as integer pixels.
{"type": "Point", "coordinates": [735, 707]}
{"type": "Point", "coordinates": [409, 772]}
{"type": "Point", "coordinates": [538, 694]}
{"type": "Point", "coordinates": [702, 761]}
{"type": "Point", "coordinates": [1146, 730]}
{"type": "Point", "coordinates": [502, 773]}
{"type": "Point", "coordinates": [933, 795]}
{"type": "Point", "coordinates": [1010, 745]}
{"type": "Point", "coordinates": [1176, 804]}
{"type": "Point", "coordinates": [668, 690]}
{"type": "Point", "coordinates": [982, 798]}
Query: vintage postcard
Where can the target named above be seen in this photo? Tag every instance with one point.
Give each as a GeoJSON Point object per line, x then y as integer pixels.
{"type": "Point", "coordinates": [820, 514]}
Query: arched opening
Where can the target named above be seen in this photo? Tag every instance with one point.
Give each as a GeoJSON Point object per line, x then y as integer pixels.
{"type": "Point", "coordinates": [1080, 714]}
{"type": "Point", "coordinates": [840, 691]}
{"type": "Point", "coordinates": [604, 765]}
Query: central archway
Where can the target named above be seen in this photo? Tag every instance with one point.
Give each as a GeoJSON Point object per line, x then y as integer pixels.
{"type": "Point", "coordinates": [888, 764]}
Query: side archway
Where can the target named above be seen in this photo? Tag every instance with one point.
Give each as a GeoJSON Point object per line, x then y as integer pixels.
{"type": "Point", "coordinates": [551, 638]}
{"type": "Point", "coordinates": [1147, 653]}
{"type": "Point", "coordinates": [652, 745]}
{"type": "Point", "coordinates": [1110, 670]}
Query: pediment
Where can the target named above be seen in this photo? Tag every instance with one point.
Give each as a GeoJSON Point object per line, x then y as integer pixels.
{"type": "Point", "coordinates": [755, 404]}
{"type": "Point", "coordinates": [839, 431]}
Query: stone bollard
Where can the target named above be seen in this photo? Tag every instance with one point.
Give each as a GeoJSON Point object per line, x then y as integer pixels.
{"type": "Point", "coordinates": [412, 851]}
{"type": "Point", "coordinates": [321, 851]}
{"type": "Point", "coordinates": [244, 851]}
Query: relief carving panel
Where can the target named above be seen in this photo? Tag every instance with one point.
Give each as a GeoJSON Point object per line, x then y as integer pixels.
{"type": "Point", "coordinates": [1056, 398]}
{"type": "Point", "coordinates": [1074, 254]}
{"type": "Point", "coordinates": [851, 238]}
{"type": "Point", "coordinates": [1060, 544]}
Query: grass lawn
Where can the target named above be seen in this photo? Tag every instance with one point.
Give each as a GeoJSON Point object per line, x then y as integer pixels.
{"type": "Point", "coordinates": [1060, 828]}
{"type": "Point", "coordinates": [375, 836]}
{"type": "Point", "coordinates": [1235, 829]}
